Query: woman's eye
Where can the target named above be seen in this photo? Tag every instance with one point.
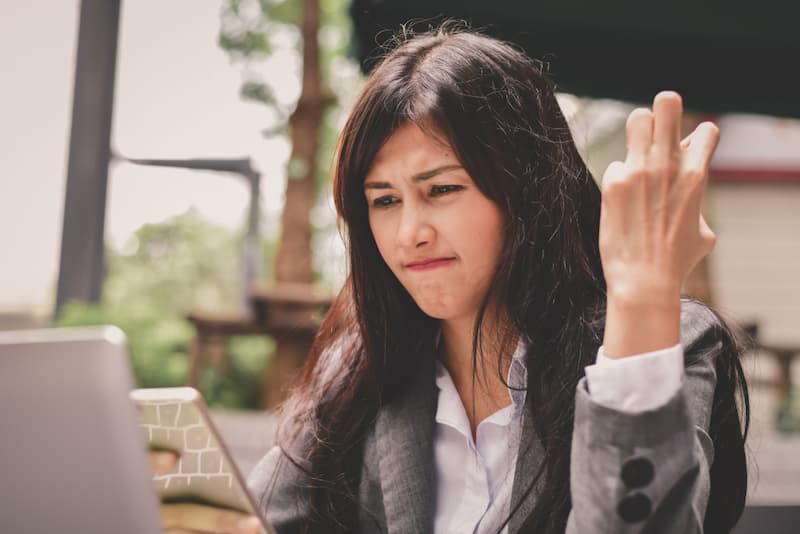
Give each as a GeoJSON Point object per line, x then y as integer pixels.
{"type": "Point", "coordinates": [388, 201]}
{"type": "Point", "coordinates": [444, 189]}
{"type": "Point", "coordinates": [383, 202]}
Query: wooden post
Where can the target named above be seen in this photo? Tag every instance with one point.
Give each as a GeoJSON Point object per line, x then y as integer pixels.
{"type": "Point", "coordinates": [293, 261]}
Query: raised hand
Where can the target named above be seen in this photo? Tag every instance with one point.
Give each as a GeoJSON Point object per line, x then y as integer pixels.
{"type": "Point", "coordinates": [652, 233]}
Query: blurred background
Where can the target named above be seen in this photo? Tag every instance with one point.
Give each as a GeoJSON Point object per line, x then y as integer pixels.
{"type": "Point", "coordinates": [166, 168]}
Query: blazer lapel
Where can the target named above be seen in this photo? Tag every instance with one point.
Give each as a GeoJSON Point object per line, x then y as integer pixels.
{"type": "Point", "coordinates": [529, 460]}
{"type": "Point", "coordinates": [404, 442]}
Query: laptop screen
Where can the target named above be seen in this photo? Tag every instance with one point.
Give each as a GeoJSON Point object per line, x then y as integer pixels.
{"type": "Point", "coordinates": [73, 457]}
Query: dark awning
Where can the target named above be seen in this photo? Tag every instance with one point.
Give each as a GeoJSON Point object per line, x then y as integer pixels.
{"type": "Point", "coordinates": [722, 56]}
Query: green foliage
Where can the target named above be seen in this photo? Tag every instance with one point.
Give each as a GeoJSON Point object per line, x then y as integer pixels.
{"type": "Point", "coordinates": [283, 11]}
{"type": "Point", "coordinates": [245, 40]}
{"type": "Point", "coordinates": [157, 340]}
{"type": "Point", "coordinates": [182, 264]}
{"type": "Point", "coordinates": [788, 417]}
{"type": "Point", "coordinates": [247, 31]}
{"type": "Point", "coordinates": [244, 28]}
{"type": "Point", "coordinates": [179, 265]}
{"type": "Point", "coordinates": [258, 92]}
{"type": "Point", "coordinates": [240, 386]}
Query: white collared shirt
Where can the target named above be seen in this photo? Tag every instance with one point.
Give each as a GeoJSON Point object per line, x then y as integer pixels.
{"type": "Point", "coordinates": [474, 477]}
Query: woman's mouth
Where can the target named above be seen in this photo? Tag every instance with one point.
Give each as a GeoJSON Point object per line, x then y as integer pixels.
{"type": "Point", "coordinates": [426, 265]}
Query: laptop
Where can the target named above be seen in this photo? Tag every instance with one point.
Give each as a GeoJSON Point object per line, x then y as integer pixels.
{"type": "Point", "coordinates": [72, 458]}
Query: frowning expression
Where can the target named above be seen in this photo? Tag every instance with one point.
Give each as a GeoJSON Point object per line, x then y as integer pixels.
{"type": "Point", "coordinates": [437, 232]}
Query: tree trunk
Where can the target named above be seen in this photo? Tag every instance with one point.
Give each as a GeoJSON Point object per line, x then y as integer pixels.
{"type": "Point", "coordinates": [293, 261]}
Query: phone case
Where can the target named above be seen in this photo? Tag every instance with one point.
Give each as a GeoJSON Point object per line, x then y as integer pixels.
{"type": "Point", "coordinates": [177, 419]}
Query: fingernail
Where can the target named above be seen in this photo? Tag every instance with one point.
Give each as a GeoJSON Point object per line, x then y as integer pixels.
{"type": "Point", "coordinates": [248, 524]}
{"type": "Point", "coordinates": [166, 461]}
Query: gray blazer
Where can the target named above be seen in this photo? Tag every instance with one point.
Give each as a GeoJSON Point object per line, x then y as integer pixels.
{"type": "Point", "coordinates": [646, 472]}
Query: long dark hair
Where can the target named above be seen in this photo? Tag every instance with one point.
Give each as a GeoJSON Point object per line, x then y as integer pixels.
{"type": "Point", "coordinates": [498, 112]}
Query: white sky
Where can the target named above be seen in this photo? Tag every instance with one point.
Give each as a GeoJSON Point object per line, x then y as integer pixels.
{"type": "Point", "coordinates": [177, 95]}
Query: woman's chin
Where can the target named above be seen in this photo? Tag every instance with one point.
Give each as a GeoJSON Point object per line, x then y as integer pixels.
{"type": "Point", "coordinates": [437, 311]}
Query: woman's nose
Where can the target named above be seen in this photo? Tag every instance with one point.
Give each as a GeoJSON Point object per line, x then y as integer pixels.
{"type": "Point", "coordinates": [414, 229]}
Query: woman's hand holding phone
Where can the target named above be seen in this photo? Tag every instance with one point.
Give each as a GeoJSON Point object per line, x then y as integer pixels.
{"type": "Point", "coordinates": [652, 233]}
{"type": "Point", "coordinates": [193, 518]}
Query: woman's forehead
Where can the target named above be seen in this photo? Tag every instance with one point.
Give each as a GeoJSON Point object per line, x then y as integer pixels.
{"type": "Point", "coordinates": [411, 147]}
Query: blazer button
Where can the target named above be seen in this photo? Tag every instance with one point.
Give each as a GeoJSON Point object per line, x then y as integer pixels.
{"type": "Point", "coordinates": [634, 508]}
{"type": "Point", "coordinates": [637, 472]}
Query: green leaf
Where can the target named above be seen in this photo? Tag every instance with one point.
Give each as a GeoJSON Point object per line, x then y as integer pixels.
{"type": "Point", "coordinates": [181, 264]}
{"type": "Point", "coordinates": [285, 11]}
{"type": "Point", "coordinates": [258, 92]}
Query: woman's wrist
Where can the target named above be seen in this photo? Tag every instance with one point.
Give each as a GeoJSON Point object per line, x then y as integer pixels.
{"type": "Point", "coordinates": [639, 321]}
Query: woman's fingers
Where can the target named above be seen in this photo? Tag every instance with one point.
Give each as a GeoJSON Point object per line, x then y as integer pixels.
{"type": "Point", "coordinates": [256, 529]}
{"type": "Point", "coordinates": [686, 141]}
{"type": "Point", "coordinates": [667, 112]}
{"type": "Point", "coordinates": [639, 132]}
{"type": "Point", "coordinates": [707, 234]}
{"type": "Point", "coordinates": [614, 172]}
{"type": "Point", "coordinates": [698, 153]}
{"type": "Point", "coordinates": [249, 525]}
{"type": "Point", "coordinates": [180, 518]}
{"type": "Point", "coordinates": [198, 518]}
{"type": "Point", "coordinates": [162, 462]}
{"type": "Point", "coordinates": [653, 138]}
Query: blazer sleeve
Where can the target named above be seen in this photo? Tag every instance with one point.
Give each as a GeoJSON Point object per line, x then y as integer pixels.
{"type": "Point", "coordinates": [280, 490]}
{"type": "Point", "coordinates": [648, 471]}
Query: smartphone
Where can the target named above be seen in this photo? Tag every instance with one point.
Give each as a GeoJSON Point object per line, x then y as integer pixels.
{"type": "Point", "coordinates": [176, 419]}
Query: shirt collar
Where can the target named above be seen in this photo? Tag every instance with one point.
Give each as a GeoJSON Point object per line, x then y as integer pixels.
{"type": "Point", "coordinates": [450, 411]}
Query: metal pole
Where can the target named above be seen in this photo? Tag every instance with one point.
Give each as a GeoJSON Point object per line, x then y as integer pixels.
{"type": "Point", "coordinates": [81, 263]}
{"type": "Point", "coordinates": [251, 249]}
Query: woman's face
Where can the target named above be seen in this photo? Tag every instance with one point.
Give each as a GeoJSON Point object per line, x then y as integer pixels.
{"type": "Point", "coordinates": [436, 231]}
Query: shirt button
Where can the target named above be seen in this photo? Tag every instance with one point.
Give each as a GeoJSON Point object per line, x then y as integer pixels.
{"type": "Point", "coordinates": [637, 472]}
{"type": "Point", "coordinates": [634, 508]}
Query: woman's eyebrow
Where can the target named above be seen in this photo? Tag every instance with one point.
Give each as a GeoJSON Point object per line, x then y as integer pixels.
{"type": "Point", "coordinates": [374, 184]}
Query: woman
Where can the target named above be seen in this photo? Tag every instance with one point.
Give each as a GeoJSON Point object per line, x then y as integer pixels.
{"type": "Point", "coordinates": [510, 351]}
